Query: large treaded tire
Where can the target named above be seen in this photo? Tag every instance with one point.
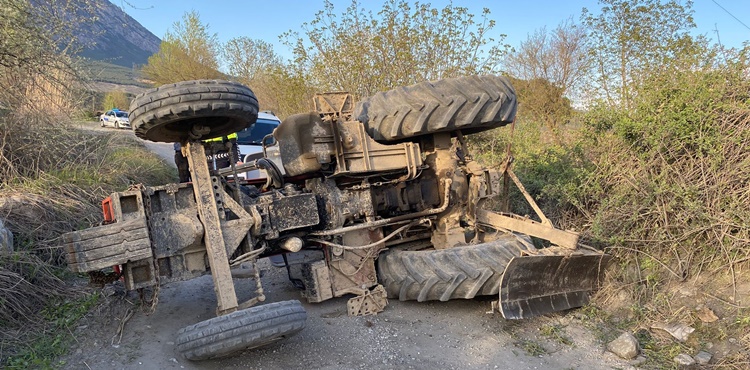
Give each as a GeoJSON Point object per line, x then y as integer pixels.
{"type": "Point", "coordinates": [167, 113]}
{"type": "Point", "coordinates": [470, 104]}
{"type": "Point", "coordinates": [454, 273]}
{"type": "Point", "coordinates": [239, 330]}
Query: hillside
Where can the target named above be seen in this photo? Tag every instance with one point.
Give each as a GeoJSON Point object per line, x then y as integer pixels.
{"type": "Point", "coordinates": [117, 38]}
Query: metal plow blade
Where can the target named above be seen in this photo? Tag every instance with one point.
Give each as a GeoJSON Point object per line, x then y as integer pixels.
{"type": "Point", "coordinates": [537, 285]}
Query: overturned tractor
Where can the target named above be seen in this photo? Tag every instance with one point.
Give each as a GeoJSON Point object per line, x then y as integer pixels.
{"type": "Point", "coordinates": [375, 201]}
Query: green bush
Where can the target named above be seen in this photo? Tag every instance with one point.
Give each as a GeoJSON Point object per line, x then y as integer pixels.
{"type": "Point", "coordinates": [544, 161]}
{"type": "Point", "coordinates": [670, 178]}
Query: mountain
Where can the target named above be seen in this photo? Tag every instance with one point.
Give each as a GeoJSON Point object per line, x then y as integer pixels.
{"type": "Point", "coordinates": [116, 37]}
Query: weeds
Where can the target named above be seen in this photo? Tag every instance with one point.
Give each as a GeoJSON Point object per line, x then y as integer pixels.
{"type": "Point", "coordinates": [54, 340]}
{"type": "Point", "coordinates": [555, 333]}
{"type": "Point", "coordinates": [531, 347]}
{"type": "Point", "coordinates": [661, 186]}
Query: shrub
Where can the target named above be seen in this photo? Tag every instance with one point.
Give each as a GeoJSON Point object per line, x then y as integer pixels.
{"type": "Point", "coordinates": [670, 178]}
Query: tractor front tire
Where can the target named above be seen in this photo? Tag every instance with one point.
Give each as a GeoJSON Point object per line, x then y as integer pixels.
{"type": "Point", "coordinates": [169, 113]}
{"type": "Point", "coordinates": [245, 329]}
{"type": "Point", "coordinates": [469, 104]}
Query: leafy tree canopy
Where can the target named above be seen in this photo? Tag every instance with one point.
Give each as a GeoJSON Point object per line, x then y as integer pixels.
{"type": "Point", "coordinates": [403, 43]}
{"type": "Point", "coordinates": [189, 52]}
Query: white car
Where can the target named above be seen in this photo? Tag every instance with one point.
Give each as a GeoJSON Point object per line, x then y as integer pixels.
{"type": "Point", "coordinates": [115, 118]}
{"type": "Point", "coordinates": [250, 140]}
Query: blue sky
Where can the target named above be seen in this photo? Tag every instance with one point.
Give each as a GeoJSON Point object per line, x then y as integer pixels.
{"type": "Point", "coordinates": [266, 20]}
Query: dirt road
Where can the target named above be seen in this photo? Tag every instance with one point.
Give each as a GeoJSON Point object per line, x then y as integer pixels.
{"type": "Point", "coordinates": [407, 335]}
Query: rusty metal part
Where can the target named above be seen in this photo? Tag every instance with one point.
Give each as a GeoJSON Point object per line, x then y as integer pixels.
{"type": "Point", "coordinates": [205, 188]}
{"type": "Point", "coordinates": [358, 153]}
{"type": "Point", "coordinates": [370, 303]}
{"type": "Point", "coordinates": [528, 197]}
{"type": "Point", "coordinates": [108, 245]}
{"type": "Point", "coordinates": [236, 229]}
{"type": "Point", "coordinates": [444, 162]}
{"type": "Point", "coordinates": [275, 213]}
{"type": "Point", "coordinates": [353, 270]}
{"type": "Point", "coordinates": [305, 143]}
{"type": "Point", "coordinates": [537, 285]}
{"type": "Point", "coordinates": [247, 256]}
{"type": "Point", "coordinates": [375, 243]}
{"type": "Point", "coordinates": [563, 238]}
{"type": "Point", "coordinates": [259, 293]}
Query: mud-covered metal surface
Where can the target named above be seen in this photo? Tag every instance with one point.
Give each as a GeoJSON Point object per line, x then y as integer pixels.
{"type": "Point", "coordinates": [342, 189]}
{"type": "Point", "coordinates": [205, 188]}
{"type": "Point", "coordinates": [538, 285]}
{"type": "Point", "coordinates": [107, 245]}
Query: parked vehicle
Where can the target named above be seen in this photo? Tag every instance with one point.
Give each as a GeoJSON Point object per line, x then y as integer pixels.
{"type": "Point", "coordinates": [250, 140]}
{"type": "Point", "coordinates": [115, 118]}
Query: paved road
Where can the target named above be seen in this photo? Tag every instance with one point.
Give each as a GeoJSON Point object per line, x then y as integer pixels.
{"type": "Point", "coordinates": [163, 150]}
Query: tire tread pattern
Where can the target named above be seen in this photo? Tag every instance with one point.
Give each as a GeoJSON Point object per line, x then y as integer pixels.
{"type": "Point", "coordinates": [244, 329]}
{"type": "Point", "coordinates": [166, 113]}
{"type": "Point", "coordinates": [470, 104]}
{"type": "Point", "coordinates": [445, 274]}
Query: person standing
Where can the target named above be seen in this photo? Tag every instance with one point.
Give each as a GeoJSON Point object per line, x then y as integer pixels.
{"type": "Point", "coordinates": [182, 163]}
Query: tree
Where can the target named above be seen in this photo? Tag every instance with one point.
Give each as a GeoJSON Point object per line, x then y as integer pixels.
{"type": "Point", "coordinates": [37, 42]}
{"type": "Point", "coordinates": [631, 37]}
{"type": "Point", "coordinates": [116, 99]}
{"type": "Point", "coordinates": [280, 87]}
{"type": "Point", "coordinates": [560, 57]}
{"type": "Point", "coordinates": [189, 52]}
{"type": "Point", "coordinates": [364, 53]}
{"type": "Point", "coordinates": [248, 59]}
{"type": "Point", "coordinates": [285, 90]}
{"type": "Point", "coordinates": [548, 68]}
{"type": "Point", "coordinates": [542, 101]}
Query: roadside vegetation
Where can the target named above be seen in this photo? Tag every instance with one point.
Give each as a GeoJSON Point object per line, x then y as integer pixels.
{"type": "Point", "coordinates": [631, 130]}
{"type": "Point", "coordinates": [52, 179]}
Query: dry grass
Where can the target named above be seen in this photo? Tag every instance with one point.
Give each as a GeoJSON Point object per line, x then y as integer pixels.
{"type": "Point", "coordinates": [27, 284]}
{"type": "Point", "coordinates": [52, 180]}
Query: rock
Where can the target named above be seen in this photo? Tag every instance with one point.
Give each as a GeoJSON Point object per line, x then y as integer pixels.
{"type": "Point", "coordinates": [6, 239]}
{"type": "Point", "coordinates": [688, 291]}
{"type": "Point", "coordinates": [705, 314]}
{"type": "Point", "coordinates": [625, 346]}
{"type": "Point", "coordinates": [703, 357]}
{"type": "Point", "coordinates": [638, 361]}
{"type": "Point", "coordinates": [683, 359]}
{"type": "Point", "coordinates": [678, 330]}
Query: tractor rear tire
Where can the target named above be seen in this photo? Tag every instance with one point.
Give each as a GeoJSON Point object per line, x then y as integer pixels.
{"type": "Point", "coordinates": [454, 273]}
{"type": "Point", "coordinates": [469, 104]}
{"type": "Point", "coordinates": [168, 113]}
{"type": "Point", "coordinates": [245, 329]}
